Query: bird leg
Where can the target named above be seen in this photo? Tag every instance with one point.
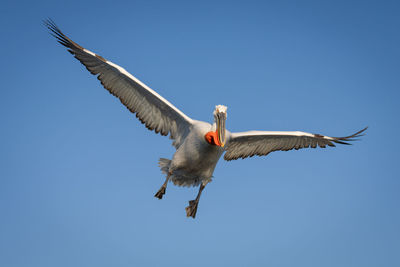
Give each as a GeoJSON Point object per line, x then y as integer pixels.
{"type": "Point", "coordinates": [191, 210]}
{"type": "Point", "coordinates": [162, 189]}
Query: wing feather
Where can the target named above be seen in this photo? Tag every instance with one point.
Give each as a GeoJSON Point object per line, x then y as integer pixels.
{"type": "Point", "coordinates": [155, 112]}
{"type": "Point", "coordinates": [261, 143]}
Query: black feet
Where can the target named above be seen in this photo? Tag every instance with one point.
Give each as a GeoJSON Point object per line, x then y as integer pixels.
{"type": "Point", "coordinates": [160, 192]}
{"type": "Point", "coordinates": [192, 208]}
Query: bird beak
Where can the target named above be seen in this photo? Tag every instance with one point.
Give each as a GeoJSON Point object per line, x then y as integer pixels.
{"type": "Point", "coordinates": [220, 121]}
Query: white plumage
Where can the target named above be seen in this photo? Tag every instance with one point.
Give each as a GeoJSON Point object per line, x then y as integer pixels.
{"type": "Point", "coordinates": [199, 145]}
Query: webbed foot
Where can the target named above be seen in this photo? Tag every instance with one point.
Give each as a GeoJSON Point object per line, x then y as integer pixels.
{"type": "Point", "coordinates": [160, 193]}
{"type": "Point", "coordinates": [191, 210]}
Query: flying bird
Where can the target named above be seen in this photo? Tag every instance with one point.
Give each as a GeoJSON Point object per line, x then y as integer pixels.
{"type": "Point", "coordinates": [199, 145]}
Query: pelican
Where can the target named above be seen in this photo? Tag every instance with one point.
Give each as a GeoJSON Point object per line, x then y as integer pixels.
{"type": "Point", "coordinates": [199, 145]}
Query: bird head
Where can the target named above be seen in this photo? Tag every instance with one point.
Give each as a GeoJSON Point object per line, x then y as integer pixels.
{"type": "Point", "coordinates": [220, 116]}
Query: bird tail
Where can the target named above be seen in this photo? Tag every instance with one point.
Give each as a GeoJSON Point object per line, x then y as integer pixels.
{"type": "Point", "coordinates": [164, 165]}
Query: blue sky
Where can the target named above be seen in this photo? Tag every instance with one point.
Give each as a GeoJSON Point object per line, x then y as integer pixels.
{"type": "Point", "coordinates": [78, 171]}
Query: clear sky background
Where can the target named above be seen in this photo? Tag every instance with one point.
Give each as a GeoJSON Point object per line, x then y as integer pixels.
{"type": "Point", "coordinates": [78, 171]}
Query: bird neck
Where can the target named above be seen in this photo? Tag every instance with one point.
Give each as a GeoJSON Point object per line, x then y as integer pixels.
{"type": "Point", "coordinates": [212, 139]}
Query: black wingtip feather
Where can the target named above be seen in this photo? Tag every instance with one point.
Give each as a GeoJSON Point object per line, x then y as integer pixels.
{"type": "Point", "coordinates": [350, 138]}
{"type": "Point", "coordinates": [60, 36]}
{"type": "Point", "coordinates": [357, 134]}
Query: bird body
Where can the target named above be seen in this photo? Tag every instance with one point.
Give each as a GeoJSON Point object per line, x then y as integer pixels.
{"type": "Point", "coordinates": [195, 160]}
{"type": "Point", "coordinates": [199, 145]}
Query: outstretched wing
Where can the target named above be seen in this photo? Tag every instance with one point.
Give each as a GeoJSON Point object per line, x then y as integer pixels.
{"type": "Point", "coordinates": [152, 109]}
{"type": "Point", "coordinates": [261, 143]}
